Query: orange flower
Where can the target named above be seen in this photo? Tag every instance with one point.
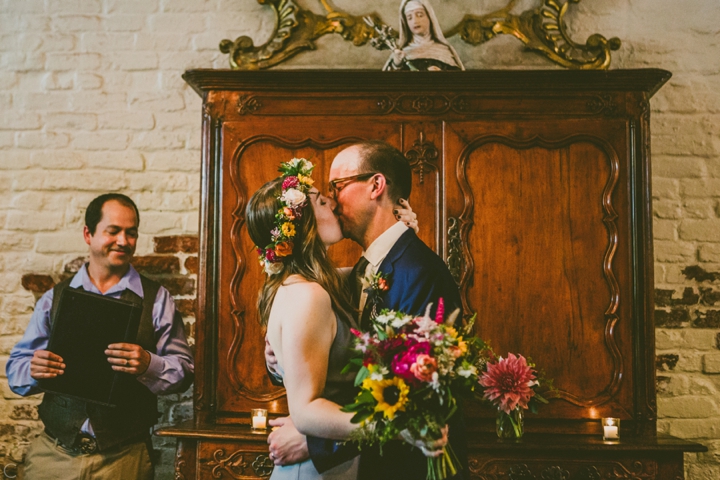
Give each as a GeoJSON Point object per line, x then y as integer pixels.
{"type": "Point", "coordinates": [283, 249]}
{"type": "Point", "coordinates": [383, 285]}
{"type": "Point", "coordinates": [289, 213]}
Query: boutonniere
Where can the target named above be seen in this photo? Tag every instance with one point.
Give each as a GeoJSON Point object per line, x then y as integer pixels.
{"type": "Point", "coordinates": [376, 285]}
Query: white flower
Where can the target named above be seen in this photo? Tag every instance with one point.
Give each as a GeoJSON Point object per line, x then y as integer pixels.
{"type": "Point", "coordinates": [400, 320]}
{"type": "Point", "coordinates": [273, 268]}
{"type": "Point", "coordinates": [385, 318]}
{"type": "Point", "coordinates": [467, 372]}
{"type": "Point", "coordinates": [377, 376]}
{"type": "Point", "coordinates": [435, 382]}
{"type": "Point", "coordinates": [293, 197]}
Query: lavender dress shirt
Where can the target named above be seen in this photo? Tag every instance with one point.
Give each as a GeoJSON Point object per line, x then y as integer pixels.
{"type": "Point", "coordinates": [171, 369]}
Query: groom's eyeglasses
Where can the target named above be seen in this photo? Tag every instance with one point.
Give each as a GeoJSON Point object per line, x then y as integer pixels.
{"type": "Point", "coordinates": [339, 183]}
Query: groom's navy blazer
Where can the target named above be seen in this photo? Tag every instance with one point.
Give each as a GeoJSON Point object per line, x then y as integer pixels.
{"type": "Point", "coordinates": [416, 276]}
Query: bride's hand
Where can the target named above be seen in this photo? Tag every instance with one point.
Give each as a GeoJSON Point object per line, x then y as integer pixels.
{"type": "Point", "coordinates": [405, 214]}
{"type": "Point", "coordinates": [429, 447]}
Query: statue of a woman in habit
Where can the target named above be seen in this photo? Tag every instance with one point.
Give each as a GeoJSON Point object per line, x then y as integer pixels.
{"type": "Point", "coordinates": [421, 43]}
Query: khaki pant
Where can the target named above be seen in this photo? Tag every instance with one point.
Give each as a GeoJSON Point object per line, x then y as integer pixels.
{"type": "Point", "coordinates": [46, 460]}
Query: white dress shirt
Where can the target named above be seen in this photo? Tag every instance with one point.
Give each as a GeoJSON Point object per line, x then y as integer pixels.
{"type": "Point", "coordinates": [376, 253]}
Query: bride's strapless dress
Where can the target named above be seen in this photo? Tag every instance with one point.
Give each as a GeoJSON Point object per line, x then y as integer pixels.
{"type": "Point", "coordinates": [339, 389]}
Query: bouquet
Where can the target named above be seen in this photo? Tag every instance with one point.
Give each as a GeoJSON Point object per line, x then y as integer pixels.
{"type": "Point", "coordinates": [411, 370]}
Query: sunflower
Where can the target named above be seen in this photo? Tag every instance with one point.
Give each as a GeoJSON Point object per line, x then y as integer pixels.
{"type": "Point", "coordinates": [391, 395]}
{"type": "Point", "coordinates": [288, 229]}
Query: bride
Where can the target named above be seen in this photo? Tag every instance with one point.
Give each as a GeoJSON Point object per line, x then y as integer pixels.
{"type": "Point", "coordinates": [306, 307]}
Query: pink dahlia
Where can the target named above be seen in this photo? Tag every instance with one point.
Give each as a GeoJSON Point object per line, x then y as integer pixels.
{"type": "Point", "coordinates": [508, 383]}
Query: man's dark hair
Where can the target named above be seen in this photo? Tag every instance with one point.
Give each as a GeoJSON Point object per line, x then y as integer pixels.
{"type": "Point", "coordinates": [381, 157]}
{"type": "Point", "coordinates": [93, 214]}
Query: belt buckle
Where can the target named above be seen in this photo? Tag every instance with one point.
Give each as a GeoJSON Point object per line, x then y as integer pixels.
{"type": "Point", "coordinates": [86, 443]}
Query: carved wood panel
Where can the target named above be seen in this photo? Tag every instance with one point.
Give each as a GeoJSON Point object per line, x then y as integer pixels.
{"type": "Point", "coordinates": [542, 256]}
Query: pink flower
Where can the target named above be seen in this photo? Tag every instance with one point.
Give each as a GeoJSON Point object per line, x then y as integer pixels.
{"type": "Point", "coordinates": [290, 182]}
{"type": "Point", "coordinates": [440, 313]}
{"type": "Point", "coordinates": [402, 362]}
{"type": "Point", "coordinates": [507, 383]}
{"type": "Point", "coordinates": [424, 367]}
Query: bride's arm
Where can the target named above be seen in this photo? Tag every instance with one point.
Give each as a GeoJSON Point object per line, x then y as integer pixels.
{"type": "Point", "coordinates": [308, 328]}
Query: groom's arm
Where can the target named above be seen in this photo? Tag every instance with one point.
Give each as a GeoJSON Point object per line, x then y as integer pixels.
{"type": "Point", "coordinates": [271, 366]}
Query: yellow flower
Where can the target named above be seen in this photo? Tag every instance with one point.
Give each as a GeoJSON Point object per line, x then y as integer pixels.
{"type": "Point", "coordinates": [463, 346]}
{"type": "Point", "coordinates": [306, 180]}
{"type": "Point", "coordinates": [288, 229]}
{"type": "Point", "coordinates": [391, 395]}
{"type": "Point", "coordinates": [451, 331]}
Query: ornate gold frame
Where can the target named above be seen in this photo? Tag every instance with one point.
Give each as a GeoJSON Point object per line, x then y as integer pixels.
{"type": "Point", "coordinates": [541, 29]}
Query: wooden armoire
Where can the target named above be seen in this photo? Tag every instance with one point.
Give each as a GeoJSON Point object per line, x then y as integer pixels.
{"type": "Point", "coordinates": [534, 186]}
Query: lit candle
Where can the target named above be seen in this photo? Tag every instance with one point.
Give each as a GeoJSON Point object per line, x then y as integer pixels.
{"type": "Point", "coordinates": [259, 418]}
{"type": "Point", "coordinates": [611, 428]}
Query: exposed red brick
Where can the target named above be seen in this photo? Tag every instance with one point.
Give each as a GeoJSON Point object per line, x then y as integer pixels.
{"type": "Point", "coordinates": [176, 243]}
{"type": "Point", "coordinates": [188, 243]}
{"type": "Point", "coordinates": [37, 283]}
{"type": "Point", "coordinates": [177, 284]}
{"type": "Point", "coordinates": [666, 362]}
{"type": "Point", "coordinates": [165, 244]}
{"type": "Point", "coordinates": [157, 264]}
{"type": "Point", "coordinates": [24, 412]}
{"type": "Point", "coordinates": [191, 264]}
{"type": "Point", "coordinates": [186, 306]}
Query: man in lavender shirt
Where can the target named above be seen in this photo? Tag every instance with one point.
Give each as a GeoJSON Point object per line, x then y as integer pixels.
{"type": "Point", "coordinates": [85, 440]}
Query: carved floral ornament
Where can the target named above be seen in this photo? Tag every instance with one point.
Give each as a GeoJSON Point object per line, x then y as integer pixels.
{"type": "Point", "coordinates": [542, 29]}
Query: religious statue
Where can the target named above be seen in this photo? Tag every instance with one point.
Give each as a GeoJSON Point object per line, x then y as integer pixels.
{"type": "Point", "coordinates": [422, 45]}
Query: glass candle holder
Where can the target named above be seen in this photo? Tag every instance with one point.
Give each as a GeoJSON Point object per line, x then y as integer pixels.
{"type": "Point", "coordinates": [611, 429]}
{"type": "Point", "coordinates": [258, 417]}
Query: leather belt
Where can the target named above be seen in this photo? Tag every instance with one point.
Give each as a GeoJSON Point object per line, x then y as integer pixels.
{"type": "Point", "coordinates": [83, 443]}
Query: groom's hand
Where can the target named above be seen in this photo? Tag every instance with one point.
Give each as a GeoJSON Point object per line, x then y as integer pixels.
{"type": "Point", "coordinates": [287, 445]}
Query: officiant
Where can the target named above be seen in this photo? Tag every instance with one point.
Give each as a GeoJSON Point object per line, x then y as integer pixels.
{"type": "Point", "coordinates": [88, 440]}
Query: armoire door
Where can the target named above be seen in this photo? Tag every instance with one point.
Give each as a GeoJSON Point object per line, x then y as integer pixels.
{"type": "Point", "coordinates": [543, 256]}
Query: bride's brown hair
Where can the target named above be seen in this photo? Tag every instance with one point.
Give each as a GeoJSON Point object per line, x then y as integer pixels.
{"type": "Point", "coordinates": [309, 256]}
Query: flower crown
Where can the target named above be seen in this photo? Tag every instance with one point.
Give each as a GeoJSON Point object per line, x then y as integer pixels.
{"type": "Point", "coordinates": [293, 199]}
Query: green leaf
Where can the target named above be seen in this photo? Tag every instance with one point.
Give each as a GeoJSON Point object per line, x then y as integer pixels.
{"type": "Point", "coordinates": [361, 375]}
{"type": "Point", "coordinates": [360, 416]}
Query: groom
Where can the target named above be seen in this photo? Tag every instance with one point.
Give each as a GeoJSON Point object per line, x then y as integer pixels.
{"type": "Point", "coordinates": [367, 180]}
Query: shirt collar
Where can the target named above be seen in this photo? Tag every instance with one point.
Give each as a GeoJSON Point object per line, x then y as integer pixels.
{"type": "Point", "coordinates": [129, 281]}
{"type": "Point", "coordinates": [380, 247]}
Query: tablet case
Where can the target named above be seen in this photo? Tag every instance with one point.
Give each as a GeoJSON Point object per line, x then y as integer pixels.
{"type": "Point", "coordinates": [83, 327]}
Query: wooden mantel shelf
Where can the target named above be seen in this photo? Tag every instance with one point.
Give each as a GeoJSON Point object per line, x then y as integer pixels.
{"type": "Point", "coordinates": [531, 442]}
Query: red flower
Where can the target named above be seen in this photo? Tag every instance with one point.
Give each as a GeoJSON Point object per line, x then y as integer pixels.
{"type": "Point", "coordinates": [403, 361]}
{"type": "Point", "coordinates": [290, 182]}
{"type": "Point", "coordinates": [270, 255]}
{"type": "Point", "coordinates": [508, 383]}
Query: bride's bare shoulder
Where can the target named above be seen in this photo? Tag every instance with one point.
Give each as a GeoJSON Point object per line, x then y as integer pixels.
{"type": "Point", "coordinates": [299, 290]}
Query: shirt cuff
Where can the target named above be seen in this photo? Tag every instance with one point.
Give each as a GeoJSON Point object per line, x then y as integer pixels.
{"type": "Point", "coordinates": [150, 376]}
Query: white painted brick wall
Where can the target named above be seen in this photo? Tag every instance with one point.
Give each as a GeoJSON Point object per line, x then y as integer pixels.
{"type": "Point", "coordinates": [92, 100]}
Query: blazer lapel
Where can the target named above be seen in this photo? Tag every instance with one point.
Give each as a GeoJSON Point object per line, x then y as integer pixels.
{"type": "Point", "coordinates": [387, 268]}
